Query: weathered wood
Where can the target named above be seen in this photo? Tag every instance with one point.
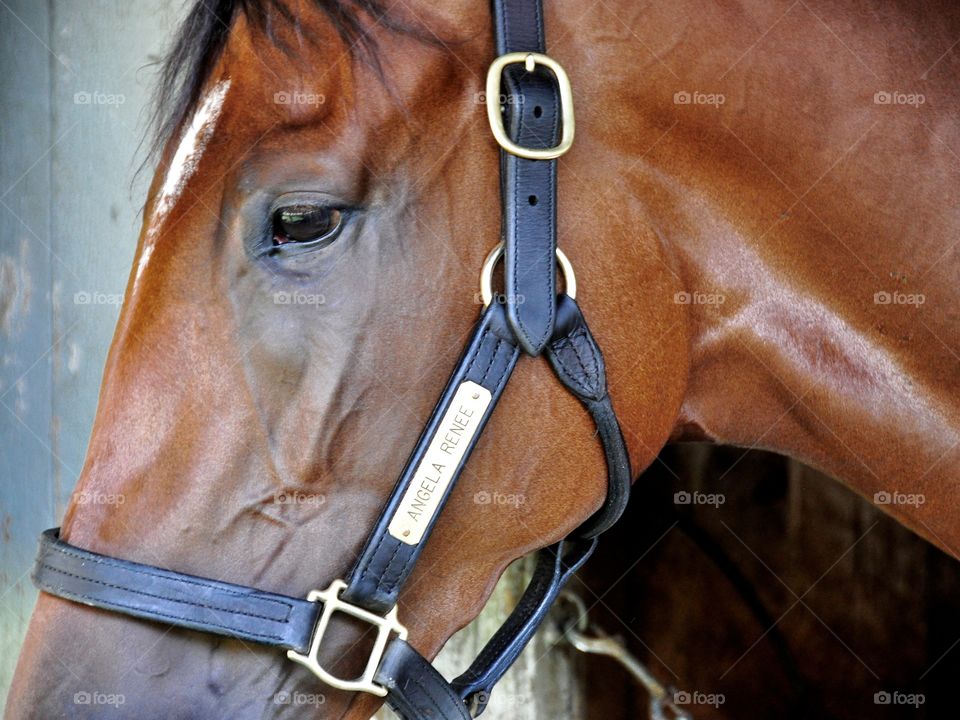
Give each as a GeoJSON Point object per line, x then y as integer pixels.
{"type": "Point", "coordinates": [880, 610]}
{"type": "Point", "coordinates": [546, 681]}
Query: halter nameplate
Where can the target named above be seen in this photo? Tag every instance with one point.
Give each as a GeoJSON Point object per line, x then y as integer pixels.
{"type": "Point", "coordinates": [440, 464]}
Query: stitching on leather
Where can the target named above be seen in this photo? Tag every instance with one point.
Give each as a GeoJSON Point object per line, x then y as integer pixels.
{"type": "Point", "coordinates": [136, 571]}
{"type": "Point", "coordinates": [584, 372]}
{"type": "Point", "coordinates": [45, 566]}
{"type": "Point", "coordinates": [520, 617]}
{"type": "Point", "coordinates": [564, 366]}
{"type": "Point", "coordinates": [381, 581]}
{"type": "Point", "coordinates": [425, 692]}
{"type": "Point", "coordinates": [493, 357]}
{"type": "Point", "coordinates": [516, 234]}
{"type": "Point", "coordinates": [591, 376]}
{"type": "Point", "coordinates": [114, 604]}
{"type": "Point", "coordinates": [505, 18]}
{"type": "Point", "coordinates": [538, 10]}
{"type": "Point", "coordinates": [595, 352]}
{"type": "Point", "coordinates": [373, 559]}
{"type": "Point", "coordinates": [592, 373]}
{"type": "Point", "coordinates": [426, 689]}
{"type": "Point", "coordinates": [476, 354]}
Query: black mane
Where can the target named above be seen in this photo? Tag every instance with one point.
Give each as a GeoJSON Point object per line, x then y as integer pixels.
{"type": "Point", "coordinates": [203, 35]}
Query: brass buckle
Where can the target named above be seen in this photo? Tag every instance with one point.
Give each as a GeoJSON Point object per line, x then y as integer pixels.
{"type": "Point", "coordinates": [385, 626]}
{"type": "Point", "coordinates": [493, 257]}
{"type": "Point", "coordinates": [494, 83]}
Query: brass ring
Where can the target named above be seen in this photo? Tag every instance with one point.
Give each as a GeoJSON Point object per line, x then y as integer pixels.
{"type": "Point", "coordinates": [493, 257]}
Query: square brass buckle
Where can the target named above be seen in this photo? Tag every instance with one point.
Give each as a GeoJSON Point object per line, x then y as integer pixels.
{"type": "Point", "coordinates": [385, 626]}
{"type": "Point", "coordinates": [494, 85]}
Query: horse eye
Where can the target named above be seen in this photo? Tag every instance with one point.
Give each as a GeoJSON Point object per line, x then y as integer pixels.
{"type": "Point", "coordinates": [306, 224]}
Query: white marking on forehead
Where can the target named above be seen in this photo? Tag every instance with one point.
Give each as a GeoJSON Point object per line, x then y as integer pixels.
{"type": "Point", "coordinates": [184, 163]}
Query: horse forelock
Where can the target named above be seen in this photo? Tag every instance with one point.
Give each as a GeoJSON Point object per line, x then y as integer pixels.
{"type": "Point", "coordinates": [202, 36]}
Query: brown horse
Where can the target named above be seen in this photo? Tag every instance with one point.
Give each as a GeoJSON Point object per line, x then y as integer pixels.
{"type": "Point", "coordinates": [759, 209]}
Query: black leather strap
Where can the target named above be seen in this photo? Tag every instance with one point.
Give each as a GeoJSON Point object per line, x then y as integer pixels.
{"type": "Point", "coordinates": [555, 566]}
{"type": "Point", "coordinates": [173, 598]}
{"type": "Point", "coordinates": [578, 363]}
{"type": "Point", "coordinates": [416, 690]}
{"type": "Point", "coordinates": [386, 562]}
{"type": "Point", "coordinates": [576, 358]}
{"type": "Point", "coordinates": [529, 187]}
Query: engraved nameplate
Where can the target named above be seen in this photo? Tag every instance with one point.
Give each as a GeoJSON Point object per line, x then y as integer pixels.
{"type": "Point", "coordinates": [440, 463]}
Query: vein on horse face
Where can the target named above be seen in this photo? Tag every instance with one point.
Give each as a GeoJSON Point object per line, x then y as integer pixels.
{"type": "Point", "coordinates": [183, 165]}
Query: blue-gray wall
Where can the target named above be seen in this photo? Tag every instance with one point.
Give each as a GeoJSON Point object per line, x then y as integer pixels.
{"type": "Point", "coordinates": [73, 88]}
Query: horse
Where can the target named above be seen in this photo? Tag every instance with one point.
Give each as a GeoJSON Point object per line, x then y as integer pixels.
{"type": "Point", "coordinates": [758, 208]}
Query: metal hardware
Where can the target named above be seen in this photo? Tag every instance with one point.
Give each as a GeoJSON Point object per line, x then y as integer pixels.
{"type": "Point", "coordinates": [385, 626]}
{"type": "Point", "coordinates": [493, 257]}
{"type": "Point", "coordinates": [495, 116]}
{"type": "Point", "coordinates": [588, 639]}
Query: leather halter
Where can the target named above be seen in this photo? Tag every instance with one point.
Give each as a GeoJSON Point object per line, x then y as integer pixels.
{"type": "Point", "coordinates": [533, 123]}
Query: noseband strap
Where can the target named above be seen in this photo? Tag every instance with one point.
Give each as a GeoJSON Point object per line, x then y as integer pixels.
{"type": "Point", "coordinates": [188, 601]}
{"type": "Point", "coordinates": [533, 318]}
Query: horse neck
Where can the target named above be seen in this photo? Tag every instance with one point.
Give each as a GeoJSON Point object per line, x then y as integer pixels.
{"type": "Point", "coordinates": [815, 248]}
{"type": "Point", "coordinates": [821, 306]}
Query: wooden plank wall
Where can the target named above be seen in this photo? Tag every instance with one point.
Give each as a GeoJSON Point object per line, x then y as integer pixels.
{"type": "Point", "coordinates": [73, 91]}
{"type": "Point", "coordinates": [793, 598]}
